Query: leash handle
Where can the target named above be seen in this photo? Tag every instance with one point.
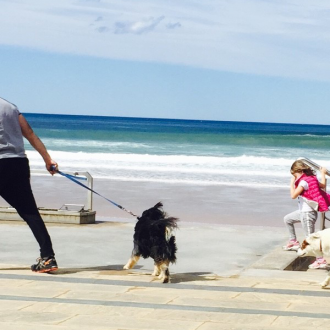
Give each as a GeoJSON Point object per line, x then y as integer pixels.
{"type": "Point", "coordinates": [74, 179]}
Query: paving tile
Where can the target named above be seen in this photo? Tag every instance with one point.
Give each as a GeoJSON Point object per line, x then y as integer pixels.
{"type": "Point", "coordinates": [288, 285]}
{"type": "Point", "coordinates": [31, 326]}
{"type": "Point", "coordinates": [25, 326]}
{"type": "Point", "coordinates": [156, 295]}
{"type": "Point", "coordinates": [183, 315]}
{"type": "Point", "coordinates": [257, 320]}
{"type": "Point", "coordinates": [285, 277]}
{"type": "Point", "coordinates": [94, 310]}
{"type": "Point", "coordinates": [85, 288]}
{"type": "Point", "coordinates": [5, 283]}
{"type": "Point", "coordinates": [317, 307]}
{"type": "Point", "coordinates": [221, 326]}
{"type": "Point", "coordinates": [200, 294]}
{"type": "Point", "coordinates": [257, 305]}
{"type": "Point", "coordinates": [133, 294]}
{"type": "Point", "coordinates": [225, 281]}
{"type": "Point", "coordinates": [279, 298]}
{"type": "Point", "coordinates": [40, 290]}
{"type": "Point", "coordinates": [199, 316]}
{"type": "Point", "coordinates": [300, 322]}
{"type": "Point", "coordinates": [10, 305]}
{"type": "Point", "coordinates": [33, 317]}
{"type": "Point", "coordinates": [123, 322]}
{"type": "Point", "coordinates": [134, 276]}
{"type": "Point", "coordinates": [110, 296]}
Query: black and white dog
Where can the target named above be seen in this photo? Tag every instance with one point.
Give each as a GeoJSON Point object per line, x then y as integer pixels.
{"type": "Point", "coordinates": [154, 237]}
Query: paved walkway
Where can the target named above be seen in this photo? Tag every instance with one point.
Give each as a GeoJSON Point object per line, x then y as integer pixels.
{"type": "Point", "coordinates": [92, 292]}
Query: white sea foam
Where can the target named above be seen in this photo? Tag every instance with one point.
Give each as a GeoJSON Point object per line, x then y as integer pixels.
{"type": "Point", "coordinates": [89, 158]}
{"type": "Point", "coordinates": [182, 169]}
{"type": "Point", "coordinates": [65, 143]}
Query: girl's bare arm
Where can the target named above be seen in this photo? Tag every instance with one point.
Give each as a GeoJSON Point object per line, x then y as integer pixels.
{"type": "Point", "coordinates": [323, 181]}
{"type": "Point", "coordinates": [295, 192]}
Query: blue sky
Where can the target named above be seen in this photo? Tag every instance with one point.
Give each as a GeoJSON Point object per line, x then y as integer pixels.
{"type": "Point", "coordinates": [241, 60]}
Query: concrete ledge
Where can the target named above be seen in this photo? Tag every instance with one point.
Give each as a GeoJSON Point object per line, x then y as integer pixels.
{"type": "Point", "coordinates": [52, 215]}
{"type": "Point", "coordinates": [276, 259]}
{"type": "Point", "coordinates": [279, 259]}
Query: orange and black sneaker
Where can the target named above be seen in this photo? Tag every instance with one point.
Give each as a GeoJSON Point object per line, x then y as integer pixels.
{"type": "Point", "coordinates": [45, 265]}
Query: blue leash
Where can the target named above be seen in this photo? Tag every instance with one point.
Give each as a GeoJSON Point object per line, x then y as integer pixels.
{"type": "Point", "coordinates": [75, 180]}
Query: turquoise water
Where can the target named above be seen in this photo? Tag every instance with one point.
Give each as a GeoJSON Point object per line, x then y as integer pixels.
{"type": "Point", "coordinates": [179, 151]}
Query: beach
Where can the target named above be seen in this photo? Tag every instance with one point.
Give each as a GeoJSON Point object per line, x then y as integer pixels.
{"type": "Point", "coordinates": [204, 172]}
{"type": "Point", "coordinates": [229, 272]}
{"type": "Point", "coordinates": [227, 205]}
{"type": "Point", "coordinates": [247, 223]}
{"type": "Point", "coordinates": [221, 229]}
{"type": "Point", "coordinates": [208, 172]}
{"type": "Point", "coordinates": [232, 176]}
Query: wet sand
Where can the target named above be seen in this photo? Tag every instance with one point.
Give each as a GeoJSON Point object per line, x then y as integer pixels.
{"type": "Point", "coordinates": [199, 204]}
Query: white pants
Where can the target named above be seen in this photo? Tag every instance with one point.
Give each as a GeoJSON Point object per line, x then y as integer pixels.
{"type": "Point", "coordinates": [307, 219]}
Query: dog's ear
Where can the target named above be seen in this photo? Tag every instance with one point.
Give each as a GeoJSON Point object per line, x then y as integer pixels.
{"type": "Point", "coordinates": [314, 235]}
{"type": "Point", "coordinates": [304, 244]}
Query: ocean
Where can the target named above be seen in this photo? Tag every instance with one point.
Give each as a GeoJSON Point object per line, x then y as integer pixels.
{"type": "Point", "coordinates": [189, 152]}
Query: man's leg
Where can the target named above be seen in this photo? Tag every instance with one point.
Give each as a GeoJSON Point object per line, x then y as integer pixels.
{"type": "Point", "coordinates": [16, 190]}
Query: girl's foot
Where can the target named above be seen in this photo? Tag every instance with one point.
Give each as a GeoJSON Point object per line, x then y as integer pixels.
{"type": "Point", "coordinates": [319, 263]}
{"type": "Point", "coordinates": [293, 245]}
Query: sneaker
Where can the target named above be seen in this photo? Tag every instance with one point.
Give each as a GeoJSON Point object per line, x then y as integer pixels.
{"type": "Point", "coordinates": [293, 245]}
{"type": "Point", "coordinates": [45, 265]}
{"type": "Point", "coordinates": [318, 264]}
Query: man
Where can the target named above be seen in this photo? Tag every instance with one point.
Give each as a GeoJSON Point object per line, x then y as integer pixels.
{"type": "Point", "coordinates": [15, 186]}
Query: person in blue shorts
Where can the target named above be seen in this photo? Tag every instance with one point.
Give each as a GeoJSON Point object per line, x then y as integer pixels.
{"type": "Point", "coordinates": [15, 186]}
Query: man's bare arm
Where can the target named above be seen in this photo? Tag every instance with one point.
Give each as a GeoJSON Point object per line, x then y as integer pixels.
{"type": "Point", "coordinates": [36, 143]}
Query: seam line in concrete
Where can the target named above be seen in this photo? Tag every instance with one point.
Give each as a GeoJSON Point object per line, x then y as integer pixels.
{"type": "Point", "coordinates": [77, 280]}
{"type": "Point", "coordinates": [167, 307]}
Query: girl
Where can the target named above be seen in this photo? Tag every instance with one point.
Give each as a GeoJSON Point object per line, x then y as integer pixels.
{"type": "Point", "coordinates": [311, 198]}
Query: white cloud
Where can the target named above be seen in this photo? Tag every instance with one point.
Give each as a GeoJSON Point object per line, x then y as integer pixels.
{"type": "Point", "coordinates": [173, 25]}
{"type": "Point", "coordinates": [102, 29]}
{"type": "Point", "coordinates": [280, 37]}
{"type": "Point", "coordinates": [139, 27]}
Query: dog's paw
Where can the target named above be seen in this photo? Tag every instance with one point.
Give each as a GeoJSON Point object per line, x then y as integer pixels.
{"type": "Point", "coordinates": [324, 284]}
{"type": "Point", "coordinates": [166, 279]}
{"type": "Point", "coordinates": [127, 266]}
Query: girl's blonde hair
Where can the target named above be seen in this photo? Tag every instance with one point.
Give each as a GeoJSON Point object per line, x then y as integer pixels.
{"type": "Point", "coordinates": [300, 167]}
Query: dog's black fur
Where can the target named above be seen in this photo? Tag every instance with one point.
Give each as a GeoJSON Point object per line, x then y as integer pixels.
{"type": "Point", "coordinates": [153, 237]}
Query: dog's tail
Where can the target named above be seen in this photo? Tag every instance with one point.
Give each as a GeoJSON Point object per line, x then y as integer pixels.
{"type": "Point", "coordinates": [172, 249]}
{"type": "Point", "coordinates": [170, 225]}
{"type": "Point", "coordinates": [164, 249]}
{"type": "Point", "coordinates": [158, 205]}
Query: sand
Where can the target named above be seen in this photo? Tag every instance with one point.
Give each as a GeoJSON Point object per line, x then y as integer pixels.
{"type": "Point", "coordinates": [198, 204]}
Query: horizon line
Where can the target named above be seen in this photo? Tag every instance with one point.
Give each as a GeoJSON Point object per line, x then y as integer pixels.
{"type": "Point", "coordinates": [177, 119]}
